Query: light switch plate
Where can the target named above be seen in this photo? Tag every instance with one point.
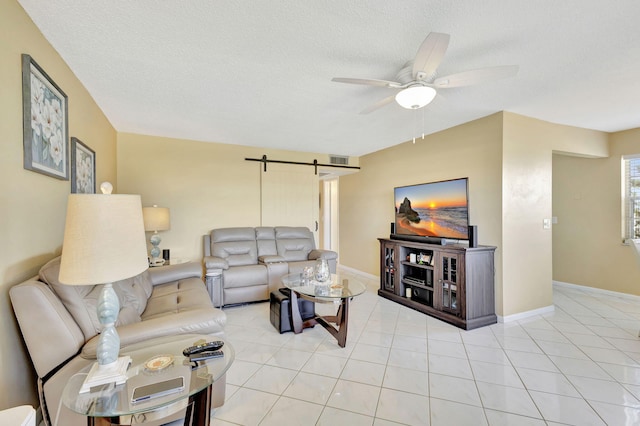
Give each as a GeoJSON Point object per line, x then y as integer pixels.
{"type": "Point", "coordinates": [546, 223]}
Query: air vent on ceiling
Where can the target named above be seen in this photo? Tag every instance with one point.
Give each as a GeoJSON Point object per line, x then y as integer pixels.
{"type": "Point", "coordinates": [339, 159]}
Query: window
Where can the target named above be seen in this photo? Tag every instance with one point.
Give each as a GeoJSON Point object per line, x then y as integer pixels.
{"type": "Point", "coordinates": [631, 166]}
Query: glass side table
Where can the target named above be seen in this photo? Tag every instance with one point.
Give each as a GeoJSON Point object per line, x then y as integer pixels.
{"type": "Point", "coordinates": [111, 404]}
{"type": "Point", "coordinates": [339, 289]}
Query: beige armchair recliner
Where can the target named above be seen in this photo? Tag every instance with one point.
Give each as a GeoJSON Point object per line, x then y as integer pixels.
{"type": "Point", "coordinates": [246, 264]}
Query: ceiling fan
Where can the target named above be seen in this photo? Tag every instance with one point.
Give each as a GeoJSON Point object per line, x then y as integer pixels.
{"type": "Point", "coordinates": [417, 83]}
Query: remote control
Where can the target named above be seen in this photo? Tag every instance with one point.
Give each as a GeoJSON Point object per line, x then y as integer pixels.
{"type": "Point", "coordinates": [200, 356]}
{"type": "Point", "coordinates": [209, 346]}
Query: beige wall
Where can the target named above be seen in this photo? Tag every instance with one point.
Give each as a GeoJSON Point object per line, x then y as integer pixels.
{"type": "Point", "coordinates": [587, 241]}
{"type": "Point", "coordinates": [206, 185]}
{"type": "Point", "coordinates": [526, 196]}
{"type": "Point", "coordinates": [366, 199]}
{"type": "Point", "coordinates": [32, 205]}
{"type": "Point", "coordinates": [507, 158]}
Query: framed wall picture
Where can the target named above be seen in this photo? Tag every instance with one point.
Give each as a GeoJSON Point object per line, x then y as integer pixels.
{"type": "Point", "coordinates": [45, 122]}
{"type": "Point", "coordinates": [83, 168]}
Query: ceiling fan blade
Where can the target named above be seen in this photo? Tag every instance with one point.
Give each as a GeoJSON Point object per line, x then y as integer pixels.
{"type": "Point", "coordinates": [367, 81]}
{"type": "Point", "coordinates": [430, 55]}
{"type": "Point", "coordinates": [467, 78]}
{"type": "Point", "coordinates": [378, 104]}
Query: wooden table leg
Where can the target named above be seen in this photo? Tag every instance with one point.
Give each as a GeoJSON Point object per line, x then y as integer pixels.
{"type": "Point", "coordinates": [294, 313]}
{"type": "Point", "coordinates": [103, 421]}
{"type": "Point", "coordinates": [343, 316]}
{"type": "Point", "coordinates": [199, 408]}
{"type": "Point", "coordinates": [341, 320]}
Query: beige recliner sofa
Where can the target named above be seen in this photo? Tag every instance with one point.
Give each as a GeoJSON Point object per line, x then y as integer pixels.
{"type": "Point", "coordinates": [246, 264]}
{"type": "Point", "coordinates": [60, 327]}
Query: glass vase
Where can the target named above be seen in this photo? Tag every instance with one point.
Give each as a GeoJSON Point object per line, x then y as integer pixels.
{"type": "Point", "coordinates": [322, 272]}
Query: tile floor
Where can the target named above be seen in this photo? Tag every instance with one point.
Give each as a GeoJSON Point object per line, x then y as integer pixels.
{"type": "Point", "coordinates": [579, 365]}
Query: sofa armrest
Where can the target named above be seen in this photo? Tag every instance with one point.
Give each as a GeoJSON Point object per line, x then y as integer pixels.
{"type": "Point", "coordinates": [51, 334]}
{"type": "Point", "coordinates": [271, 259]}
{"type": "Point", "coordinates": [276, 270]}
{"type": "Point", "coordinates": [166, 274]}
{"type": "Point", "coordinates": [322, 254]}
{"type": "Point", "coordinates": [213, 262]}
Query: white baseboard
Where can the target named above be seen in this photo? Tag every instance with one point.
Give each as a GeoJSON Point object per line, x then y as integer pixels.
{"type": "Point", "coordinates": [526, 314]}
{"type": "Point", "coordinates": [358, 272]}
{"type": "Point", "coordinates": [597, 291]}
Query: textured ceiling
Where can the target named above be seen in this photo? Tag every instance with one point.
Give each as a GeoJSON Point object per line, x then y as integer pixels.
{"type": "Point", "coordinates": [258, 73]}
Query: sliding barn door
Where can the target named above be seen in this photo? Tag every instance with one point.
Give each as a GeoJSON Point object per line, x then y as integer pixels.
{"type": "Point", "coordinates": [290, 196]}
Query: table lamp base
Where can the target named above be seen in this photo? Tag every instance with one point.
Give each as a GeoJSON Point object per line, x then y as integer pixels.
{"type": "Point", "coordinates": [102, 375]}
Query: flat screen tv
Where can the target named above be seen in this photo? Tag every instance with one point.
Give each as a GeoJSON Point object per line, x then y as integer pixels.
{"type": "Point", "coordinates": [435, 209]}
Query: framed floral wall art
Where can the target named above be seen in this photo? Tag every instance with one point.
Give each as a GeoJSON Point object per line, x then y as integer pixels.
{"type": "Point", "coordinates": [83, 168]}
{"type": "Point", "coordinates": [45, 122]}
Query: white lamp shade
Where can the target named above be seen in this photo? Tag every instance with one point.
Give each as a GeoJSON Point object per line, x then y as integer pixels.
{"type": "Point", "coordinates": [415, 97]}
{"type": "Point", "coordinates": [156, 218]}
{"type": "Point", "coordinates": [104, 239]}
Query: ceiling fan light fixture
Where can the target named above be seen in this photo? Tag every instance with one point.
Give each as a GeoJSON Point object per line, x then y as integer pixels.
{"type": "Point", "coordinates": [415, 97]}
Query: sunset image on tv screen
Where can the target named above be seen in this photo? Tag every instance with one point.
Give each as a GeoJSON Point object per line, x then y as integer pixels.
{"type": "Point", "coordinates": [437, 209]}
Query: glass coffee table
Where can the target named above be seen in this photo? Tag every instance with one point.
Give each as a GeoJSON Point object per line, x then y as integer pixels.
{"type": "Point", "coordinates": [112, 404]}
{"type": "Point", "coordinates": [338, 290]}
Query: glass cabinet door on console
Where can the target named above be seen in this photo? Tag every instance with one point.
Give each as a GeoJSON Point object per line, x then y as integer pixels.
{"type": "Point", "coordinates": [450, 282]}
{"type": "Point", "coordinates": [389, 267]}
